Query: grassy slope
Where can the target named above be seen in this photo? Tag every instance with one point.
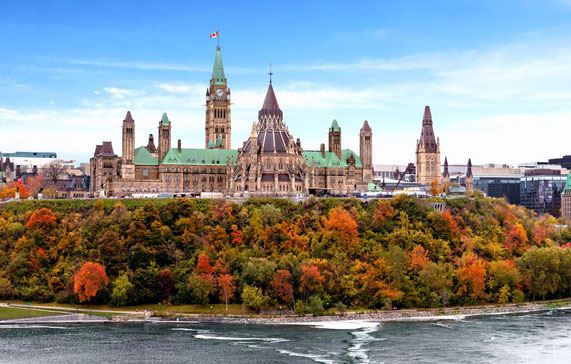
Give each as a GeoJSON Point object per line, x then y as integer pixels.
{"type": "Point", "coordinates": [10, 313]}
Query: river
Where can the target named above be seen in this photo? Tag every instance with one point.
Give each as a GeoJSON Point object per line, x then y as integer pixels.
{"type": "Point", "coordinates": [541, 337]}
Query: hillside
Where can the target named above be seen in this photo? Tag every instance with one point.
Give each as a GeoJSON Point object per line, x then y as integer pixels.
{"type": "Point", "coordinates": [266, 253]}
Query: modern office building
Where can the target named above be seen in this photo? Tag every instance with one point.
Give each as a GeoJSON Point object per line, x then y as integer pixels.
{"type": "Point", "coordinates": [541, 189]}
{"type": "Point", "coordinates": [501, 186]}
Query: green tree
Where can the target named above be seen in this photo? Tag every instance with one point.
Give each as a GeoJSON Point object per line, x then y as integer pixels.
{"type": "Point", "coordinates": [122, 292]}
{"type": "Point", "coordinates": [253, 297]}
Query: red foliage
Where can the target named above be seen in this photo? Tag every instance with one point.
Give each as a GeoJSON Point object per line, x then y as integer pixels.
{"type": "Point", "coordinates": [311, 279]}
{"type": "Point", "coordinates": [517, 237]}
{"type": "Point", "coordinates": [342, 224]}
{"type": "Point", "coordinates": [472, 276]}
{"type": "Point", "coordinates": [166, 282]}
{"type": "Point", "coordinates": [237, 236]}
{"type": "Point", "coordinates": [281, 285]}
{"type": "Point", "coordinates": [42, 219]}
{"type": "Point", "coordinates": [89, 280]}
{"type": "Point", "coordinates": [203, 266]}
{"type": "Point", "coordinates": [383, 212]}
{"type": "Point", "coordinates": [227, 288]}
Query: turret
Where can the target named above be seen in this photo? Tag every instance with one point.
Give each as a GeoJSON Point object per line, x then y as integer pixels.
{"type": "Point", "coordinates": [469, 181]}
{"type": "Point", "coordinates": [128, 157]}
{"type": "Point", "coordinates": [335, 139]}
{"type": "Point", "coordinates": [445, 173]}
{"type": "Point", "coordinates": [427, 151]}
{"type": "Point", "coordinates": [366, 151]}
{"type": "Point", "coordinates": [164, 137]}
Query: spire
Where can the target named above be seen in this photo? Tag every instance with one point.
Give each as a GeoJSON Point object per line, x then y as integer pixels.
{"type": "Point", "coordinates": [165, 119]}
{"type": "Point", "coordinates": [151, 144]}
{"type": "Point", "coordinates": [270, 73]}
{"type": "Point", "coordinates": [254, 133]}
{"type": "Point", "coordinates": [218, 77]}
{"type": "Point", "coordinates": [128, 118]}
{"type": "Point", "coordinates": [270, 106]}
{"type": "Point", "coordinates": [427, 138]}
{"type": "Point", "coordinates": [469, 169]}
{"type": "Point", "coordinates": [366, 127]}
{"type": "Point", "coordinates": [445, 173]}
{"type": "Point", "coordinates": [334, 126]}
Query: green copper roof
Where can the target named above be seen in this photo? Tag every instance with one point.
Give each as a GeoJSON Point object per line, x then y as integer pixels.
{"type": "Point", "coordinates": [373, 187]}
{"type": "Point", "coordinates": [165, 120]}
{"type": "Point", "coordinates": [330, 160]}
{"type": "Point", "coordinates": [218, 70]}
{"type": "Point", "coordinates": [144, 158]}
{"type": "Point", "coordinates": [335, 126]}
{"type": "Point", "coordinates": [207, 157]}
{"type": "Point", "coordinates": [567, 188]}
{"type": "Point", "coordinates": [210, 144]}
{"type": "Point", "coordinates": [219, 143]}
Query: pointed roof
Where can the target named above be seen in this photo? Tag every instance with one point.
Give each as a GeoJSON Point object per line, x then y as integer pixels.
{"type": "Point", "coordinates": [271, 102]}
{"type": "Point", "coordinates": [151, 144]}
{"type": "Point", "coordinates": [427, 138]}
{"type": "Point", "coordinates": [469, 169]}
{"type": "Point", "coordinates": [334, 126]}
{"type": "Point", "coordinates": [445, 173]}
{"type": "Point", "coordinates": [128, 118]}
{"type": "Point", "coordinates": [218, 77]}
{"type": "Point", "coordinates": [366, 127]}
{"type": "Point", "coordinates": [165, 119]}
{"type": "Point", "coordinates": [210, 144]}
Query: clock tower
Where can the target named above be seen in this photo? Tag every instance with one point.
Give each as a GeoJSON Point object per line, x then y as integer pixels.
{"type": "Point", "coordinates": [218, 117]}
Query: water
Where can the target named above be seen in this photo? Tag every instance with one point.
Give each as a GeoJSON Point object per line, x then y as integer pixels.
{"type": "Point", "coordinates": [526, 338]}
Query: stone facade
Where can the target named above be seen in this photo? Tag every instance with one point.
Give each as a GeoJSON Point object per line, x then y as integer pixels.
{"type": "Point", "coordinates": [427, 152]}
{"type": "Point", "coordinates": [566, 200]}
{"type": "Point", "coordinates": [269, 163]}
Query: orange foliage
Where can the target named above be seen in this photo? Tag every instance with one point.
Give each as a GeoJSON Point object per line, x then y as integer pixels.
{"type": "Point", "coordinates": [383, 212]}
{"type": "Point", "coordinates": [10, 190]}
{"type": "Point", "coordinates": [227, 288]}
{"type": "Point", "coordinates": [311, 279]}
{"type": "Point", "coordinates": [472, 276]}
{"type": "Point", "coordinates": [36, 184]}
{"type": "Point", "coordinates": [237, 236]}
{"type": "Point", "coordinates": [517, 237]}
{"type": "Point", "coordinates": [42, 219]}
{"type": "Point", "coordinates": [341, 223]}
{"type": "Point", "coordinates": [418, 258]}
{"type": "Point", "coordinates": [89, 280]}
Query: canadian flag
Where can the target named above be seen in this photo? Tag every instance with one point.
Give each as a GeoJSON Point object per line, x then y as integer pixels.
{"type": "Point", "coordinates": [214, 35]}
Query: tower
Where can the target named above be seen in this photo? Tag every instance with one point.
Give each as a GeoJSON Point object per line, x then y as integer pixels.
{"type": "Point", "coordinates": [427, 152]}
{"type": "Point", "coordinates": [445, 173]}
{"type": "Point", "coordinates": [469, 182]}
{"type": "Point", "coordinates": [366, 151]}
{"type": "Point", "coordinates": [128, 156]}
{"type": "Point", "coordinates": [164, 137]}
{"type": "Point", "coordinates": [335, 139]}
{"type": "Point", "coordinates": [218, 116]}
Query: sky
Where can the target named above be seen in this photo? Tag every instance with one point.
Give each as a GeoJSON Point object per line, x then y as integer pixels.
{"type": "Point", "coordinates": [496, 73]}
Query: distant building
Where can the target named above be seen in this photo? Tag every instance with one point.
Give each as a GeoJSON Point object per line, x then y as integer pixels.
{"type": "Point", "coordinates": [427, 152]}
{"type": "Point", "coordinates": [564, 161]}
{"type": "Point", "coordinates": [540, 190]}
{"type": "Point", "coordinates": [28, 160]}
{"type": "Point", "coordinates": [566, 199]}
{"type": "Point", "coordinates": [501, 186]}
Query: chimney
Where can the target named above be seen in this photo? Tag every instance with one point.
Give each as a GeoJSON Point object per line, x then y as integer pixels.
{"type": "Point", "coordinates": [179, 146]}
{"type": "Point", "coordinates": [322, 149]}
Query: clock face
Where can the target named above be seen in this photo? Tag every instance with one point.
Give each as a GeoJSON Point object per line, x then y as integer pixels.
{"type": "Point", "coordinates": [219, 93]}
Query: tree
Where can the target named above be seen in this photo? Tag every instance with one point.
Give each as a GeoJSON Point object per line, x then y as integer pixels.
{"type": "Point", "coordinates": [227, 288]}
{"type": "Point", "coordinates": [53, 171]}
{"type": "Point", "coordinates": [10, 190]}
{"type": "Point", "coordinates": [203, 266]}
{"type": "Point", "coordinates": [122, 290]}
{"type": "Point", "coordinates": [311, 280]}
{"type": "Point", "coordinates": [252, 297]}
{"type": "Point", "coordinates": [472, 276]}
{"type": "Point", "coordinates": [36, 184]}
{"type": "Point", "coordinates": [42, 219]}
{"type": "Point", "coordinates": [282, 286]}
{"type": "Point", "coordinates": [340, 224]}
{"type": "Point", "coordinates": [89, 280]}
{"type": "Point", "coordinates": [435, 189]}
{"type": "Point", "coordinates": [166, 282]}
{"type": "Point", "coordinates": [200, 288]}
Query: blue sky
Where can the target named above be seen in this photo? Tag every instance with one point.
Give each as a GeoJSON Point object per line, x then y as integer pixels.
{"type": "Point", "coordinates": [497, 74]}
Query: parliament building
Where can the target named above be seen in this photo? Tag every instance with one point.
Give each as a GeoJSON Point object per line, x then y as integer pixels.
{"type": "Point", "coordinates": [271, 162]}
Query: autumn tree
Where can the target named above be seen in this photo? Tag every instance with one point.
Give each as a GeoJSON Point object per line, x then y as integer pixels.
{"type": "Point", "coordinates": [282, 286]}
{"type": "Point", "coordinates": [435, 188]}
{"type": "Point", "coordinates": [341, 225]}
{"type": "Point", "coordinates": [472, 276]}
{"type": "Point", "coordinates": [226, 287]}
{"type": "Point", "coordinates": [42, 219]}
{"type": "Point", "coordinates": [311, 280]}
{"type": "Point", "coordinates": [35, 184]}
{"type": "Point", "coordinates": [53, 171]}
{"type": "Point", "coordinates": [89, 280]}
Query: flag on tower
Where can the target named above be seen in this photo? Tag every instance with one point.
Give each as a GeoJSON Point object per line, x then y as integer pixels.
{"type": "Point", "coordinates": [214, 35]}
